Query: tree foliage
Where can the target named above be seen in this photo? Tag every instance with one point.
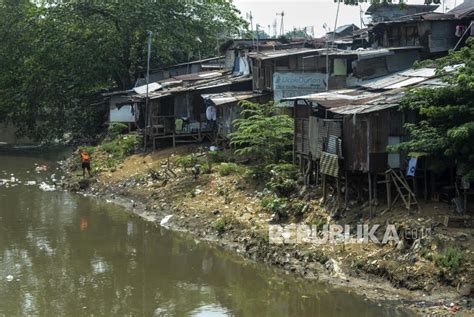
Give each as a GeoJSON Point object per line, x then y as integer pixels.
{"type": "Point", "coordinates": [57, 56]}
{"type": "Point", "coordinates": [447, 126]}
{"type": "Point", "coordinates": [262, 133]}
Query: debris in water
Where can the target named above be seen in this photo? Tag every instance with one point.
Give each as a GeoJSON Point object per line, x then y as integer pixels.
{"type": "Point", "coordinates": [46, 187]}
{"type": "Point", "coordinates": [41, 168]}
{"type": "Point", "coordinates": [9, 278]}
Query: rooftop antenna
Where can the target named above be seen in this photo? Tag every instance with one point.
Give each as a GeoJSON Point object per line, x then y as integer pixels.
{"type": "Point", "coordinates": [282, 29]}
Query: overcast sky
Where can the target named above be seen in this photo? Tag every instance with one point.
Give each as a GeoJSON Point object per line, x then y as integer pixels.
{"type": "Point", "coordinates": [301, 13]}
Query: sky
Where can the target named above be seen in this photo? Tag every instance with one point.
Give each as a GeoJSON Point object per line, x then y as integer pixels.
{"type": "Point", "coordinates": [307, 13]}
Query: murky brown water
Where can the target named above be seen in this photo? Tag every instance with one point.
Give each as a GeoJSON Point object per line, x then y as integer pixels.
{"type": "Point", "coordinates": [66, 255]}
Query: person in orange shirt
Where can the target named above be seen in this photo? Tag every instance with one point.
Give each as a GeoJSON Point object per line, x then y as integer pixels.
{"type": "Point", "coordinates": [85, 163]}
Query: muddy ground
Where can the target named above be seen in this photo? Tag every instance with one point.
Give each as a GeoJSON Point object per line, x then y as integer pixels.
{"type": "Point", "coordinates": [228, 210]}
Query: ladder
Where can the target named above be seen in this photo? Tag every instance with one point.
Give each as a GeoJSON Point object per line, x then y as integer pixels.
{"type": "Point", "coordinates": [403, 189]}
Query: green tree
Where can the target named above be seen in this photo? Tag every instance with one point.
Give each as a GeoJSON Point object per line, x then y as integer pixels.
{"type": "Point", "coordinates": [447, 126]}
{"type": "Point", "coordinates": [57, 57]}
{"type": "Point", "coordinates": [262, 134]}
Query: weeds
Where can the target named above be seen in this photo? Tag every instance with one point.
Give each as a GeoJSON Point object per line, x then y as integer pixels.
{"type": "Point", "coordinates": [222, 224]}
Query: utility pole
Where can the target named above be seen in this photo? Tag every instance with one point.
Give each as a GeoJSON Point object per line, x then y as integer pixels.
{"type": "Point", "coordinates": [258, 36]}
{"type": "Point", "coordinates": [147, 115]}
{"type": "Point", "coordinates": [274, 28]}
{"type": "Point", "coordinates": [282, 28]}
{"type": "Point", "coordinates": [327, 29]}
{"type": "Point", "coordinates": [335, 23]}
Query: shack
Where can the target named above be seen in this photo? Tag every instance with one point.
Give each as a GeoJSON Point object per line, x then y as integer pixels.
{"type": "Point", "coordinates": [177, 112]}
{"type": "Point", "coordinates": [436, 33]}
{"type": "Point", "coordinates": [344, 134]}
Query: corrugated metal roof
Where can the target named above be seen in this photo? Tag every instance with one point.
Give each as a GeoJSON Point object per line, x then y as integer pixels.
{"type": "Point", "coordinates": [347, 94]}
{"type": "Point", "coordinates": [406, 82]}
{"type": "Point", "coordinates": [464, 9]}
{"type": "Point", "coordinates": [366, 108]}
{"type": "Point", "coordinates": [398, 80]}
{"type": "Point", "coordinates": [420, 72]}
{"type": "Point", "coordinates": [228, 97]}
{"type": "Point", "coordinates": [141, 90]}
{"type": "Point", "coordinates": [282, 53]}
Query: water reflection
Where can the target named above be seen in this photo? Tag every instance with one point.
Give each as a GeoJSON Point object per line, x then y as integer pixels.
{"type": "Point", "coordinates": [70, 255]}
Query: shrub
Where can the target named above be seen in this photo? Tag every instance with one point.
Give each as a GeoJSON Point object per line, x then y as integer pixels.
{"type": "Point", "coordinates": [450, 259]}
{"type": "Point", "coordinates": [282, 187]}
{"type": "Point", "coordinates": [225, 169]}
{"type": "Point", "coordinates": [282, 178]}
{"type": "Point", "coordinates": [206, 168]}
{"type": "Point", "coordinates": [257, 173]}
{"type": "Point", "coordinates": [186, 161]}
{"type": "Point", "coordinates": [262, 134]}
{"type": "Point", "coordinates": [122, 146]}
{"type": "Point", "coordinates": [276, 205]}
{"type": "Point", "coordinates": [115, 129]}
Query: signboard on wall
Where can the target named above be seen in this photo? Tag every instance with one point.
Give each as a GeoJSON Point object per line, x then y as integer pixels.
{"type": "Point", "coordinates": [297, 84]}
{"type": "Point", "coordinates": [123, 114]}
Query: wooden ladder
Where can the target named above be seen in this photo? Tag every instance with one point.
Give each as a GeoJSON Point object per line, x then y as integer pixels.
{"type": "Point", "coordinates": [403, 189]}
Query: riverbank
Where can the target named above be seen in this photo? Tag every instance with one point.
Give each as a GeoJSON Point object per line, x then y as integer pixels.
{"type": "Point", "coordinates": [221, 203]}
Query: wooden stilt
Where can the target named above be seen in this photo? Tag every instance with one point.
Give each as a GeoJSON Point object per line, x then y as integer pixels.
{"type": "Point", "coordinates": [369, 175]}
{"type": "Point", "coordinates": [174, 140]}
{"type": "Point", "coordinates": [324, 188]}
{"type": "Point", "coordinates": [375, 187]}
{"type": "Point", "coordinates": [346, 191]}
{"type": "Point", "coordinates": [425, 181]}
{"type": "Point", "coordinates": [317, 173]}
{"type": "Point", "coordinates": [389, 190]}
{"type": "Point", "coordinates": [338, 191]}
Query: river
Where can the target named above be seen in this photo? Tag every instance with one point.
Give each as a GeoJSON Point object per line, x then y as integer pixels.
{"type": "Point", "coordinates": [63, 254]}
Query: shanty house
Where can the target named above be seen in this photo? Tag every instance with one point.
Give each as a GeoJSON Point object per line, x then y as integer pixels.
{"type": "Point", "coordinates": [347, 132]}
{"type": "Point", "coordinates": [177, 110]}
{"type": "Point", "coordinates": [435, 33]}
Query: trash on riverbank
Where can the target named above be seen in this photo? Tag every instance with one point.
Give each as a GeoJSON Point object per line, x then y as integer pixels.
{"type": "Point", "coordinates": [165, 220]}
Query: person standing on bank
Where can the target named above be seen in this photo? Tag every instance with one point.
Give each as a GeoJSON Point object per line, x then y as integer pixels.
{"type": "Point", "coordinates": [85, 163]}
